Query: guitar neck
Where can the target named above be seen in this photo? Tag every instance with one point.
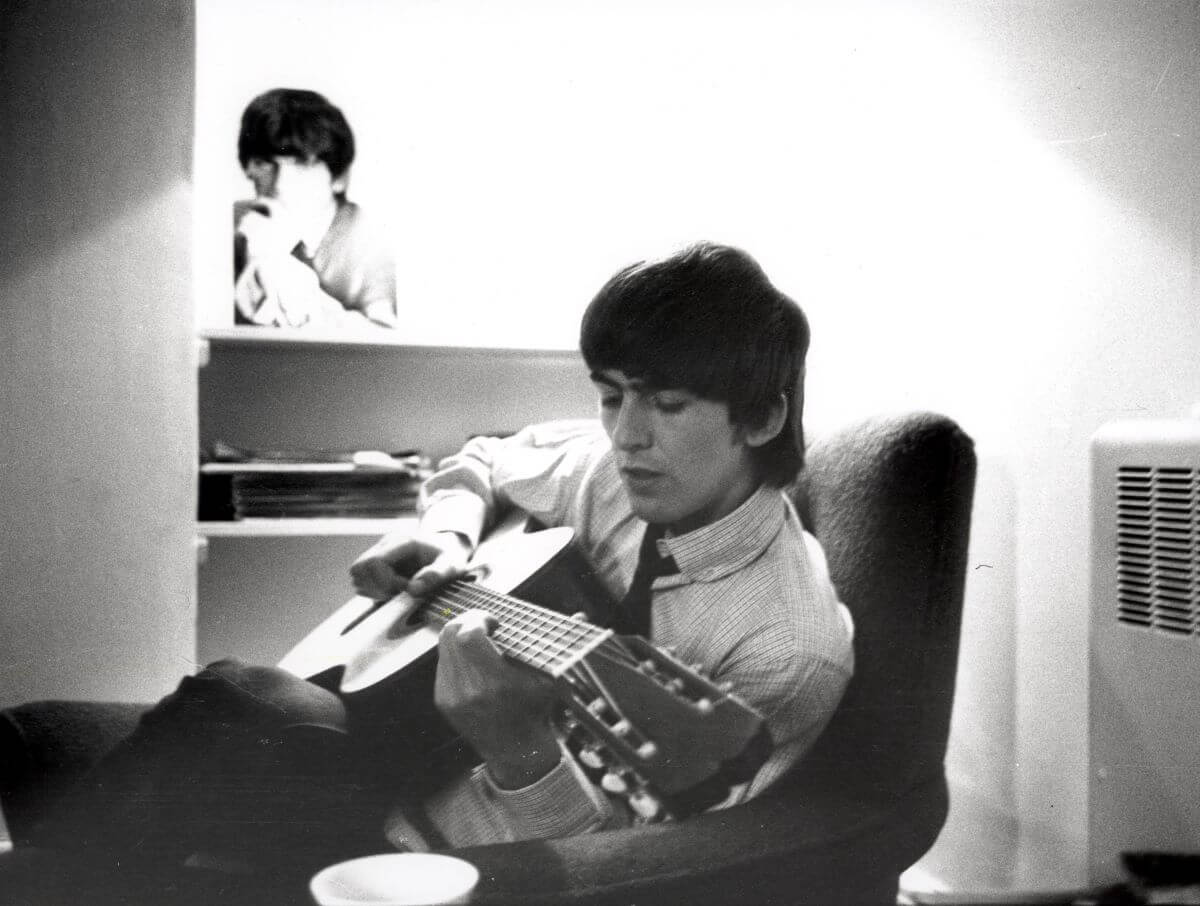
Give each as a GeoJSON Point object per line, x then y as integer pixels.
{"type": "Point", "coordinates": [538, 637]}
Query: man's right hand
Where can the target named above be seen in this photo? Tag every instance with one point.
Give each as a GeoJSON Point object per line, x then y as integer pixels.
{"type": "Point", "coordinates": [418, 564]}
{"type": "Point", "coordinates": [268, 232]}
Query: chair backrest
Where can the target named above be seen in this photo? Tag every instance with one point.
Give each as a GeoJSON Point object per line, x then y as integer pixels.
{"type": "Point", "coordinates": [890, 500]}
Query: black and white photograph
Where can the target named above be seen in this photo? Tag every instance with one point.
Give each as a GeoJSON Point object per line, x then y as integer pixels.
{"type": "Point", "coordinates": [625, 453]}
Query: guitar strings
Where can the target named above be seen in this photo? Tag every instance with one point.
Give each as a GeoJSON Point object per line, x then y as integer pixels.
{"type": "Point", "coordinates": [521, 617]}
{"type": "Point", "coordinates": [543, 651]}
{"type": "Point", "coordinates": [461, 596]}
{"type": "Point", "coordinates": [565, 625]}
{"type": "Point", "coordinates": [542, 640]}
{"type": "Point", "coordinates": [515, 605]}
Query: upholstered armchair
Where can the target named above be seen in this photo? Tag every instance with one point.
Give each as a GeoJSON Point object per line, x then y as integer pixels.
{"type": "Point", "coordinates": [890, 499]}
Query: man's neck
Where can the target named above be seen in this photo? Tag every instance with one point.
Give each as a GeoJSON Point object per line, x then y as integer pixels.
{"type": "Point", "coordinates": [700, 520]}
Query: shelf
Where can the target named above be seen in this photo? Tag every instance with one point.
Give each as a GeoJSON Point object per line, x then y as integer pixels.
{"type": "Point", "coordinates": [366, 338]}
{"type": "Point", "coordinates": [303, 528]}
{"type": "Point", "coordinates": [299, 336]}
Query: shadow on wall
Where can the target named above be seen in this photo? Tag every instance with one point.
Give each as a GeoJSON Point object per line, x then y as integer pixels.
{"type": "Point", "coordinates": [89, 165]}
{"type": "Point", "coordinates": [1138, 146]}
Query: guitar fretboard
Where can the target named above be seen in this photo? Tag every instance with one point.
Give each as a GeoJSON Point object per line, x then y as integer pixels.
{"type": "Point", "coordinates": [537, 636]}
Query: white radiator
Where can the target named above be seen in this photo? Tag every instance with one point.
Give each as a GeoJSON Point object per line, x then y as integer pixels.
{"type": "Point", "coordinates": [1144, 674]}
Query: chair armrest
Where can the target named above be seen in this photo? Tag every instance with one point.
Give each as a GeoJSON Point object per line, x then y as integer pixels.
{"type": "Point", "coordinates": [768, 850]}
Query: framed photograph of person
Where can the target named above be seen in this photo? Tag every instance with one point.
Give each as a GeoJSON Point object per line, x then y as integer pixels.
{"type": "Point", "coordinates": [304, 254]}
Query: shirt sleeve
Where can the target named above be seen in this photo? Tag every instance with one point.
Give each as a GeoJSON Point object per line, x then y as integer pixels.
{"type": "Point", "coordinates": [539, 470]}
{"type": "Point", "coordinates": [798, 720]}
{"type": "Point", "coordinates": [355, 262]}
{"type": "Point", "coordinates": [378, 283]}
{"type": "Point", "coordinates": [794, 673]}
{"type": "Point", "coordinates": [560, 804]}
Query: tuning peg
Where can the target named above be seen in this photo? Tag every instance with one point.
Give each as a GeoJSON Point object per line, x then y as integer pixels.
{"type": "Point", "coordinates": [597, 706]}
{"type": "Point", "coordinates": [675, 685]}
{"type": "Point", "coordinates": [725, 687]}
{"type": "Point", "coordinates": [622, 728]}
{"type": "Point", "coordinates": [704, 705]}
{"type": "Point", "coordinates": [647, 666]}
{"type": "Point", "coordinates": [614, 782]}
{"type": "Point", "coordinates": [647, 750]}
{"type": "Point", "coordinates": [591, 757]}
{"type": "Point", "coordinates": [644, 804]}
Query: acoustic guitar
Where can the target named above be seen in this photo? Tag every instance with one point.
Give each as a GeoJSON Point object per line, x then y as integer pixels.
{"type": "Point", "coordinates": [641, 723]}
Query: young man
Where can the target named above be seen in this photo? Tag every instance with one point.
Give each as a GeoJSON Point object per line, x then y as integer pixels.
{"type": "Point", "coordinates": [698, 362]}
{"type": "Point", "coordinates": [303, 254]}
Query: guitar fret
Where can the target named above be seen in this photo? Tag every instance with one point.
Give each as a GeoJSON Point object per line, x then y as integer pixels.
{"type": "Point", "coordinates": [529, 647]}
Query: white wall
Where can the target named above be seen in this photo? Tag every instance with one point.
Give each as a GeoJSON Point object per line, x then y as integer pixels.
{"type": "Point", "coordinates": [1070, 297]}
{"type": "Point", "coordinates": [97, 382]}
{"type": "Point", "coordinates": [987, 209]}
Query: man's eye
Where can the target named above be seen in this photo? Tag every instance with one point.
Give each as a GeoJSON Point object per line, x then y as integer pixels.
{"type": "Point", "coordinates": [669, 404]}
{"type": "Point", "coordinates": [610, 402]}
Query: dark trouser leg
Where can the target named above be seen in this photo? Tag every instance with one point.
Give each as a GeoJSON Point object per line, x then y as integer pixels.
{"type": "Point", "coordinates": [242, 762]}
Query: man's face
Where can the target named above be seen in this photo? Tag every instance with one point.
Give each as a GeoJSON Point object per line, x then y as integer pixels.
{"type": "Point", "coordinates": [304, 188]}
{"type": "Point", "coordinates": [682, 462]}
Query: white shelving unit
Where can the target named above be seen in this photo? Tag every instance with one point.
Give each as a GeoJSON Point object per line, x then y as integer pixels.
{"type": "Point", "coordinates": [266, 338]}
{"type": "Point", "coordinates": [364, 337]}
{"type": "Point", "coordinates": [299, 528]}
{"type": "Point", "coordinates": [264, 583]}
{"type": "Point", "coordinates": [274, 336]}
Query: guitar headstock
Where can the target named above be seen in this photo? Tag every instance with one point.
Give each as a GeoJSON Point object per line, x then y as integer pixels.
{"type": "Point", "coordinates": [661, 733]}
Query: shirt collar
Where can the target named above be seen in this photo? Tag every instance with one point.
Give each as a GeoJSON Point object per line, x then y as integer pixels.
{"type": "Point", "coordinates": [725, 546]}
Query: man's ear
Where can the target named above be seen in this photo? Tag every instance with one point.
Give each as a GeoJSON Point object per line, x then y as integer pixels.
{"type": "Point", "coordinates": [771, 426]}
{"type": "Point", "coordinates": [341, 183]}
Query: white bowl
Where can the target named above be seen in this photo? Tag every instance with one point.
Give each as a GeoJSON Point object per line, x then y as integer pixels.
{"type": "Point", "coordinates": [395, 879]}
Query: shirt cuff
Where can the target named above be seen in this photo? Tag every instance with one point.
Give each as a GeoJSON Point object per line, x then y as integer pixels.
{"type": "Point", "coordinates": [560, 804]}
{"type": "Point", "coordinates": [455, 511]}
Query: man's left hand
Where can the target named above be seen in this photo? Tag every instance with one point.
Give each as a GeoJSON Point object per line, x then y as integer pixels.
{"type": "Point", "coordinates": [502, 709]}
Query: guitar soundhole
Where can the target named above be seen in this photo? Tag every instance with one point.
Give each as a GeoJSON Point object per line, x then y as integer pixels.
{"type": "Point", "coordinates": [362, 616]}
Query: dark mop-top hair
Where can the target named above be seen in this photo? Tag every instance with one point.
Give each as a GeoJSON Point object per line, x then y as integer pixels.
{"type": "Point", "coordinates": [708, 320]}
{"type": "Point", "coordinates": [292, 122]}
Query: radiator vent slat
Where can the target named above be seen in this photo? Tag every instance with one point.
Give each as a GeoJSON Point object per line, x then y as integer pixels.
{"type": "Point", "coordinates": [1158, 548]}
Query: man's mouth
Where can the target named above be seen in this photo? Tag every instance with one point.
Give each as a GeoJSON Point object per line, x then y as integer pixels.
{"type": "Point", "coordinates": [639, 474]}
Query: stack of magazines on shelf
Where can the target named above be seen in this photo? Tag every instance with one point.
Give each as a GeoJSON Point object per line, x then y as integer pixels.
{"type": "Point", "coordinates": [237, 483]}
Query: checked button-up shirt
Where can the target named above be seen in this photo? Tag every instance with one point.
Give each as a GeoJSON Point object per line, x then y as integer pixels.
{"type": "Point", "coordinates": [752, 601]}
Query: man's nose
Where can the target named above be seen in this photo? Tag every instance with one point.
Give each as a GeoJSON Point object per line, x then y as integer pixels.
{"type": "Point", "coordinates": [631, 430]}
{"type": "Point", "coordinates": [283, 176]}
